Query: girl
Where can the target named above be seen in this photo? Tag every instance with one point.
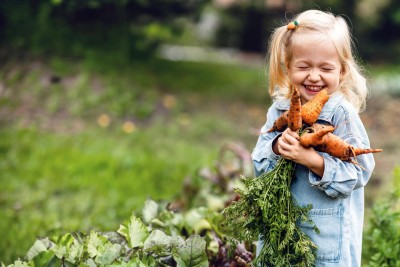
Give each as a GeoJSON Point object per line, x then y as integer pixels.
{"type": "Point", "coordinates": [314, 52]}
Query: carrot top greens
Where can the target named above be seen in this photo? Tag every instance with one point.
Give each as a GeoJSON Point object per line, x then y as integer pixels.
{"type": "Point", "coordinates": [267, 211]}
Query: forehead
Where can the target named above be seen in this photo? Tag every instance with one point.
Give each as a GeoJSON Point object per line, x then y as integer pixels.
{"type": "Point", "coordinates": [314, 46]}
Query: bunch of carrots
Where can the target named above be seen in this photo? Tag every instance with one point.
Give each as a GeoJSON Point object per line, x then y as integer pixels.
{"type": "Point", "coordinates": [319, 136]}
{"type": "Point", "coordinates": [265, 209]}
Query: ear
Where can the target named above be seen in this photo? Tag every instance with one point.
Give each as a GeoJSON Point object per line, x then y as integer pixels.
{"type": "Point", "coordinates": [343, 71]}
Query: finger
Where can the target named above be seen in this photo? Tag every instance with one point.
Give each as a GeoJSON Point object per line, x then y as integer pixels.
{"type": "Point", "coordinates": [285, 136]}
{"type": "Point", "coordinates": [294, 134]}
{"type": "Point", "coordinates": [284, 151]}
{"type": "Point", "coordinates": [290, 139]}
{"type": "Point", "coordinates": [284, 146]}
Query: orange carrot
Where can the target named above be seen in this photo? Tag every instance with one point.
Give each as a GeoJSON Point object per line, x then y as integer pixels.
{"type": "Point", "coordinates": [336, 147]}
{"type": "Point", "coordinates": [311, 110]}
{"type": "Point", "coordinates": [281, 123]}
{"type": "Point", "coordinates": [314, 137]}
{"type": "Point", "coordinates": [294, 114]}
{"type": "Point", "coordinates": [322, 139]}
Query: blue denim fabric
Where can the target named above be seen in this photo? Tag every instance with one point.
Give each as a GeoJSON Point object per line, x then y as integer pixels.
{"type": "Point", "coordinates": [338, 196]}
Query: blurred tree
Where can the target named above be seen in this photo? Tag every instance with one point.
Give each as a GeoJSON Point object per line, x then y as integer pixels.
{"type": "Point", "coordinates": [129, 28]}
{"type": "Point", "coordinates": [247, 24]}
{"type": "Point", "coordinates": [379, 21]}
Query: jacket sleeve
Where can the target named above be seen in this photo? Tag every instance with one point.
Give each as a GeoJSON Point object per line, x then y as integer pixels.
{"type": "Point", "coordinates": [341, 177]}
{"type": "Point", "coordinates": [264, 158]}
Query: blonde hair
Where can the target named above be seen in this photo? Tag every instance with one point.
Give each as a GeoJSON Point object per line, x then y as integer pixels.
{"type": "Point", "coordinates": [353, 84]}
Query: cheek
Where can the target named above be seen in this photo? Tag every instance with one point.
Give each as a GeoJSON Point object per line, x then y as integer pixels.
{"type": "Point", "coordinates": [295, 77]}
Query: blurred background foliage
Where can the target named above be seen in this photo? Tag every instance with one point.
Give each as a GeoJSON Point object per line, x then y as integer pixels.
{"type": "Point", "coordinates": [134, 28]}
{"type": "Point", "coordinates": [105, 103]}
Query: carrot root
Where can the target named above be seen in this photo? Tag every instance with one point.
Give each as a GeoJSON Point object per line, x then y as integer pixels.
{"type": "Point", "coordinates": [337, 147]}
{"type": "Point", "coordinates": [360, 151]}
{"type": "Point", "coordinates": [312, 109]}
{"type": "Point", "coordinates": [281, 123]}
{"type": "Point", "coordinates": [294, 119]}
{"type": "Point", "coordinates": [309, 112]}
{"type": "Point", "coordinates": [311, 139]}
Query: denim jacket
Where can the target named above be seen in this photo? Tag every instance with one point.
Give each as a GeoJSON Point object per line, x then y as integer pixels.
{"type": "Point", "coordinates": [337, 197]}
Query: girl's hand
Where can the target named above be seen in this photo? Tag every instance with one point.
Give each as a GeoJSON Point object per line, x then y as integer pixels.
{"type": "Point", "coordinates": [289, 147]}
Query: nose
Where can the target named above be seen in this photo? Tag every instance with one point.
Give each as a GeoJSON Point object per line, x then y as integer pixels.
{"type": "Point", "coordinates": [314, 75]}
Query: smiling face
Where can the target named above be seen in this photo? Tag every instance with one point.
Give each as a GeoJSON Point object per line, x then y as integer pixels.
{"type": "Point", "coordinates": [314, 65]}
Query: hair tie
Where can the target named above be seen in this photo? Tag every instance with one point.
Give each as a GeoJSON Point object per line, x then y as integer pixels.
{"type": "Point", "coordinates": [292, 25]}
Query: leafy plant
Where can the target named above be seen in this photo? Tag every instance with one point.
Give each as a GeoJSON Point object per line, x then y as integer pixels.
{"type": "Point", "coordinates": [266, 211]}
{"type": "Point", "coordinates": [155, 241]}
{"type": "Point", "coordinates": [382, 238]}
{"type": "Point", "coordinates": [163, 234]}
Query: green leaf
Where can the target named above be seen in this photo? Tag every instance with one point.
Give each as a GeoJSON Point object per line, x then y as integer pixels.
{"type": "Point", "coordinates": [90, 263]}
{"type": "Point", "coordinates": [109, 255]}
{"type": "Point", "coordinates": [123, 230]}
{"type": "Point", "coordinates": [19, 264]}
{"type": "Point", "coordinates": [192, 218]}
{"type": "Point", "coordinates": [62, 245]}
{"type": "Point", "coordinates": [96, 244]}
{"type": "Point", "coordinates": [137, 232]}
{"type": "Point", "coordinates": [75, 252]}
{"type": "Point", "coordinates": [192, 253]}
{"type": "Point", "coordinates": [158, 242]}
{"type": "Point", "coordinates": [150, 210]}
{"type": "Point", "coordinates": [135, 262]}
{"type": "Point", "coordinates": [47, 259]}
{"type": "Point", "coordinates": [59, 251]}
{"type": "Point", "coordinates": [66, 240]}
{"type": "Point", "coordinates": [38, 247]}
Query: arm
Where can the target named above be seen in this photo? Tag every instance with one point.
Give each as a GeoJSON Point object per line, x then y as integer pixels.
{"type": "Point", "coordinates": [264, 158]}
{"type": "Point", "coordinates": [340, 178]}
{"type": "Point", "coordinates": [332, 175]}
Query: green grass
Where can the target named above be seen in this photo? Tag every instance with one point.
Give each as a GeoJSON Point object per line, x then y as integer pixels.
{"type": "Point", "coordinates": [213, 80]}
{"type": "Point", "coordinates": [60, 171]}
{"type": "Point", "coordinates": [92, 179]}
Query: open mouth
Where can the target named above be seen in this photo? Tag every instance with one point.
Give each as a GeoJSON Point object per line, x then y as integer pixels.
{"type": "Point", "coordinates": [314, 88]}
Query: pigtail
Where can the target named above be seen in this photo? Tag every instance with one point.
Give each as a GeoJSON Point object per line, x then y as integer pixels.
{"type": "Point", "coordinates": [354, 85]}
{"type": "Point", "coordinates": [277, 74]}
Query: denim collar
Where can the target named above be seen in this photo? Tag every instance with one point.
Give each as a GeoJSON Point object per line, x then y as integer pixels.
{"type": "Point", "coordinates": [327, 111]}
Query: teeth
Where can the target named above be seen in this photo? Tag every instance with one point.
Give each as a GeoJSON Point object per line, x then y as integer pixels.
{"type": "Point", "coordinates": [313, 87]}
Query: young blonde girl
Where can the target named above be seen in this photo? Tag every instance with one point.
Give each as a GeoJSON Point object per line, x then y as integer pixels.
{"type": "Point", "coordinates": [312, 53]}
